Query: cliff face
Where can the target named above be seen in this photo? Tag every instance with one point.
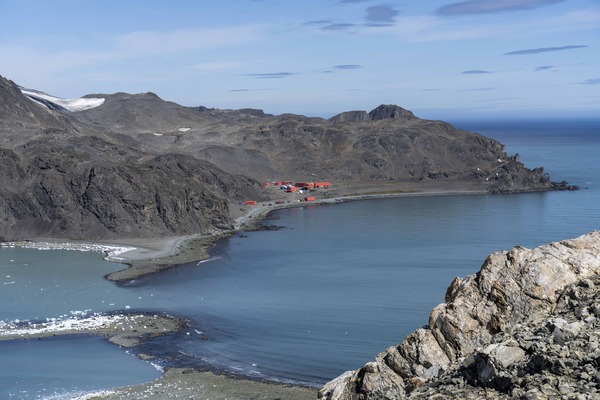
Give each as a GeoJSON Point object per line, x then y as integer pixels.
{"type": "Point", "coordinates": [136, 165]}
{"type": "Point", "coordinates": [66, 179]}
{"type": "Point", "coordinates": [525, 326]}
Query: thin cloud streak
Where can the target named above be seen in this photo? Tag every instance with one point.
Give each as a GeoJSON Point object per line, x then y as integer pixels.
{"type": "Point", "coordinates": [317, 22]}
{"type": "Point", "coordinates": [476, 71]}
{"type": "Point", "coordinates": [337, 27]}
{"type": "Point", "coordinates": [544, 50]}
{"type": "Point", "coordinates": [491, 6]}
{"type": "Point", "coordinates": [271, 75]}
{"type": "Point", "coordinates": [591, 82]}
{"type": "Point", "coordinates": [347, 66]}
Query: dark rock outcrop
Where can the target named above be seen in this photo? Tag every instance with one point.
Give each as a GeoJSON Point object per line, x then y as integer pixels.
{"type": "Point", "coordinates": [525, 326]}
{"type": "Point", "coordinates": [388, 111]}
{"type": "Point", "coordinates": [384, 111]}
{"type": "Point", "coordinates": [69, 192]}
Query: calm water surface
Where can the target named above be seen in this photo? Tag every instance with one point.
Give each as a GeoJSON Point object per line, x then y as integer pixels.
{"type": "Point", "coordinates": [337, 284]}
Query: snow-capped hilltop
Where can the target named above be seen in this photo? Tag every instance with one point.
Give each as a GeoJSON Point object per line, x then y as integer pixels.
{"type": "Point", "coordinates": [59, 104]}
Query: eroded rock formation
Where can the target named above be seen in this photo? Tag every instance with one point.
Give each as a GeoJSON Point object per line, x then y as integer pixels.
{"type": "Point", "coordinates": [525, 326]}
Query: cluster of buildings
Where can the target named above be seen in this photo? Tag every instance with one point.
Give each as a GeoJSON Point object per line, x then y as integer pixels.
{"type": "Point", "coordinates": [293, 187]}
{"type": "Point", "coordinates": [290, 187]}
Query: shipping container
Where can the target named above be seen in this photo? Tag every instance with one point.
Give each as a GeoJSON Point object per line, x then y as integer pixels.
{"type": "Point", "coordinates": [250, 202]}
{"type": "Point", "coordinates": [292, 189]}
{"type": "Point", "coordinates": [305, 185]}
{"type": "Point", "coordinates": [324, 185]}
{"type": "Point", "coordinates": [310, 198]}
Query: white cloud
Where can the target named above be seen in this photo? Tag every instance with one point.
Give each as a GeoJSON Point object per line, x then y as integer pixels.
{"type": "Point", "coordinates": [429, 28]}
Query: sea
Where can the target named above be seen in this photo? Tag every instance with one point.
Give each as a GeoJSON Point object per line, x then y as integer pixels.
{"type": "Point", "coordinates": [325, 293]}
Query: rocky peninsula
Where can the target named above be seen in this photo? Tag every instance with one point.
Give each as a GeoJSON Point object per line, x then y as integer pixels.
{"type": "Point", "coordinates": [134, 166]}
{"type": "Point", "coordinates": [525, 326]}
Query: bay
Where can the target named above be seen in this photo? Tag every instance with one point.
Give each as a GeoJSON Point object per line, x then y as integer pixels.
{"type": "Point", "coordinates": [338, 284]}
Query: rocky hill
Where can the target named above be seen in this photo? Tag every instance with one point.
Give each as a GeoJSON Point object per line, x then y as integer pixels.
{"type": "Point", "coordinates": [138, 166]}
{"type": "Point", "coordinates": [526, 326]}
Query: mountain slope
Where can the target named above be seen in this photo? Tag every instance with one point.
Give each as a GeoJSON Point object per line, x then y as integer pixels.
{"type": "Point", "coordinates": [136, 165]}
{"type": "Point", "coordinates": [62, 178]}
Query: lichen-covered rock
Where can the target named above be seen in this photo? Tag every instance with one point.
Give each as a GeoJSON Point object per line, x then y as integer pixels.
{"type": "Point", "coordinates": [525, 326]}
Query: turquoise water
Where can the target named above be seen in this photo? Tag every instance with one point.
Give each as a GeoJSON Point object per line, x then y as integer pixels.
{"type": "Point", "coordinates": [62, 368]}
{"type": "Point", "coordinates": [337, 284]}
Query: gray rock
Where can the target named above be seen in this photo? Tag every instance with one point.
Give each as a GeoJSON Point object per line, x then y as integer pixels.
{"type": "Point", "coordinates": [511, 329]}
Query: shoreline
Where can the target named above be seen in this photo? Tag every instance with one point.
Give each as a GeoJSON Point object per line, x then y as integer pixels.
{"type": "Point", "coordinates": [146, 256]}
{"type": "Point", "coordinates": [130, 330]}
{"type": "Point", "coordinates": [121, 328]}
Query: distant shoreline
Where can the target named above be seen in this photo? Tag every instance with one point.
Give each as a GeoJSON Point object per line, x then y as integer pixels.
{"type": "Point", "coordinates": [146, 256]}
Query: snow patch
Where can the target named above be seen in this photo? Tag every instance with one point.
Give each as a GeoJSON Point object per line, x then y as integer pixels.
{"type": "Point", "coordinates": [184, 129]}
{"type": "Point", "coordinates": [78, 104]}
{"type": "Point", "coordinates": [76, 323]}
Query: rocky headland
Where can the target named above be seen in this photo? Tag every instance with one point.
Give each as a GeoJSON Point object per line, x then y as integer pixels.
{"type": "Point", "coordinates": [137, 166]}
{"type": "Point", "coordinates": [526, 326]}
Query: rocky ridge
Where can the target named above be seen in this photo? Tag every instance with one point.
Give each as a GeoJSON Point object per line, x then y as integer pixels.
{"type": "Point", "coordinates": [137, 166]}
{"type": "Point", "coordinates": [525, 326]}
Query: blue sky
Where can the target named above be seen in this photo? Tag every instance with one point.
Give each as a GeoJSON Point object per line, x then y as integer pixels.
{"type": "Point", "coordinates": [440, 59]}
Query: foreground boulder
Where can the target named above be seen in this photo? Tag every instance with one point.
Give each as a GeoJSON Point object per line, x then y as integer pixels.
{"type": "Point", "coordinates": [525, 326]}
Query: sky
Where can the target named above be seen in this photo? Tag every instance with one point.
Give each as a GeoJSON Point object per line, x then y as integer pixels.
{"type": "Point", "coordinates": [442, 59]}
